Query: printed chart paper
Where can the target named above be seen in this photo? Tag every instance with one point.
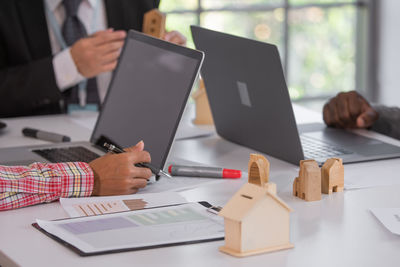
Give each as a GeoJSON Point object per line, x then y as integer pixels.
{"type": "Point", "coordinates": [138, 229]}
{"type": "Point", "coordinates": [89, 206]}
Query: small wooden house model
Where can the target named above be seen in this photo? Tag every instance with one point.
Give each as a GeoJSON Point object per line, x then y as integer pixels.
{"type": "Point", "coordinates": [256, 219]}
{"type": "Point", "coordinates": [203, 111]}
{"type": "Point", "coordinates": [332, 176]}
{"type": "Point", "coordinates": [154, 23]}
{"type": "Point", "coordinates": [308, 185]}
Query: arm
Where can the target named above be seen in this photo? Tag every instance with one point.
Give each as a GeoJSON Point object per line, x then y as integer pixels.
{"type": "Point", "coordinates": [388, 122]}
{"type": "Point", "coordinates": [22, 186]}
{"type": "Point", "coordinates": [110, 174]}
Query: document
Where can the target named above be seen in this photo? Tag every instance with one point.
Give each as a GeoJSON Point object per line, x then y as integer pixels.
{"type": "Point", "coordinates": [389, 217]}
{"type": "Point", "coordinates": [140, 229]}
{"type": "Point", "coordinates": [89, 206]}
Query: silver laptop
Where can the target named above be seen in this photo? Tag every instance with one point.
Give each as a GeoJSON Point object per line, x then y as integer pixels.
{"type": "Point", "coordinates": [251, 106]}
{"type": "Point", "coordinates": [145, 101]}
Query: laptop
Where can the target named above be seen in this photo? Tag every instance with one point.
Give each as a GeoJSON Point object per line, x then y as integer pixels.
{"type": "Point", "coordinates": [251, 106]}
{"type": "Point", "coordinates": [145, 101]}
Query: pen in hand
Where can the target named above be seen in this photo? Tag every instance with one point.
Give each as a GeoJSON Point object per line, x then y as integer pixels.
{"type": "Point", "coordinates": [154, 170]}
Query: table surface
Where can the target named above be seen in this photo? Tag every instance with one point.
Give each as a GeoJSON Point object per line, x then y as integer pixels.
{"type": "Point", "coordinates": [339, 230]}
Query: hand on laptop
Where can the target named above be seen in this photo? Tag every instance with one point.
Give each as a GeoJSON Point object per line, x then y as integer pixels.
{"type": "Point", "coordinates": [175, 37]}
{"type": "Point", "coordinates": [349, 110]}
{"type": "Point", "coordinates": [115, 174]}
{"type": "Point", "coordinates": [98, 53]}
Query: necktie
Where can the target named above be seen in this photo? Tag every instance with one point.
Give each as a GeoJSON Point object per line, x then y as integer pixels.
{"type": "Point", "coordinates": [73, 30]}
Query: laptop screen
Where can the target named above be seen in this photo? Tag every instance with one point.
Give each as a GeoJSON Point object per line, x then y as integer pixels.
{"type": "Point", "coordinates": [147, 95]}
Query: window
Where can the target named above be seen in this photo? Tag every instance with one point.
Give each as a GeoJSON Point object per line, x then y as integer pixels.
{"type": "Point", "coordinates": [323, 43]}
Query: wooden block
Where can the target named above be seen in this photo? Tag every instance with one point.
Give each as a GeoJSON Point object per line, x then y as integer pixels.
{"type": "Point", "coordinates": [258, 169]}
{"type": "Point", "coordinates": [203, 110]}
{"type": "Point", "coordinates": [332, 173]}
{"type": "Point", "coordinates": [307, 185]}
{"type": "Point", "coordinates": [154, 23]}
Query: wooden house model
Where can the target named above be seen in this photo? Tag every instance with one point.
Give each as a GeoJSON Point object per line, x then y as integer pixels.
{"type": "Point", "coordinates": [154, 23]}
{"type": "Point", "coordinates": [256, 219]}
{"type": "Point", "coordinates": [203, 111]}
{"type": "Point", "coordinates": [332, 176]}
{"type": "Point", "coordinates": [307, 185]}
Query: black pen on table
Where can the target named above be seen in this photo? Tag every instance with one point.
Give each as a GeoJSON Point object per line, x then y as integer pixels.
{"type": "Point", "coordinates": [43, 135]}
{"type": "Point", "coordinates": [154, 170]}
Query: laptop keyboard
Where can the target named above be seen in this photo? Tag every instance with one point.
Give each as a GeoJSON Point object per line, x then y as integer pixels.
{"type": "Point", "coordinates": [67, 154]}
{"type": "Point", "coordinates": [314, 148]}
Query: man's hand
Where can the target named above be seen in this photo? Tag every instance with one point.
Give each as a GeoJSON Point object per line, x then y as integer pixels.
{"type": "Point", "coordinates": [349, 110]}
{"type": "Point", "coordinates": [98, 53]}
{"type": "Point", "coordinates": [115, 174]}
{"type": "Point", "coordinates": [175, 37]}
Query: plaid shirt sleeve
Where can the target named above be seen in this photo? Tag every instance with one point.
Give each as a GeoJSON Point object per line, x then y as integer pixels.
{"type": "Point", "coordinates": [22, 186]}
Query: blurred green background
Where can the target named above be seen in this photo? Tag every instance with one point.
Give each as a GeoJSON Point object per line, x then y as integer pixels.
{"type": "Point", "coordinates": [316, 39]}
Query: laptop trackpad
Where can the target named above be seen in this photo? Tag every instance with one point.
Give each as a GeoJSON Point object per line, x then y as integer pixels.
{"type": "Point", "coordinates": [341, 137]}
{"type": "Point", "coordinates": [377, 149]}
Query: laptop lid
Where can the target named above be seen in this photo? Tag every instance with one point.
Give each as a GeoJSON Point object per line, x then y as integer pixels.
{"type": "Point", "coordinates": [147, 94]}
{"type": "Point", "coordinates": [248, 108]}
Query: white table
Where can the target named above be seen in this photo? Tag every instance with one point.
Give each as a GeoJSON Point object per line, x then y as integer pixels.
{"type": "Point", "coordinates": [339, 230]}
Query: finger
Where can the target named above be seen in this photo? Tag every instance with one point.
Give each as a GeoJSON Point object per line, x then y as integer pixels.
{"type": "Point", "coordinates": [101, 32]}
{"type": "Point", "coordinates": [139, 156]}
{"type": "Point", "coordinates": [334, 112]}
{"type": "Point", "coordinates": [107, 36]}
{"type": "Point", "coordinates": [111, 57]}
{"type": "Point", "coordinates": [138, 147]}
{"type": "Point", "coordinates": [141, 172]}
{"type": "Point", "coordinates": [327, 116]}
{"type": "Point", "coordinates": [175, 37]}
{"type": "Point", "coordinates": [354, 104]}
{"type": "Point", "coordinates": [109, 66]}
{"type": "Point", "coordinates": [110, 47]}
{"type": "Point", "coordinates": [139, 183]}
{"type": "Point", "coordinates": [367, 118]}
{"type": "Point", "coordinates": [343, 110]}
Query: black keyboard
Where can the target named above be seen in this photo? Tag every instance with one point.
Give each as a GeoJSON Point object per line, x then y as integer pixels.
{"type": "Point", "coordinates": [67, 154]}
{"type": "Point", "coordinates": [314, 148]}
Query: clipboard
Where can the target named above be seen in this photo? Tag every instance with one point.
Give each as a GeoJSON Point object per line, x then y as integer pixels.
{"type": "Point", "coordinates": [207, 207]}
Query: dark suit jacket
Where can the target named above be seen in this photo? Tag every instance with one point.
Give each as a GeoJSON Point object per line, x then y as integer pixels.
{"type": "Point", "coordinates": [27, 81]}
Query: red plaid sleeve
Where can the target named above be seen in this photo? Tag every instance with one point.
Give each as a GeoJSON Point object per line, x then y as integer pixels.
{"type": "Point", "coordinates": [22, 186]}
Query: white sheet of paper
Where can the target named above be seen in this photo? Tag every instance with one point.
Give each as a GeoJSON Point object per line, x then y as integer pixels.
{"type": "Point", "coordinates": [138, 229]}
{"type": "Point", "coordinates": [389, 217]}
{"type": "Point", "coordinates": [176, 184]}
{"type": "Point", "coordinates": [88, 206]}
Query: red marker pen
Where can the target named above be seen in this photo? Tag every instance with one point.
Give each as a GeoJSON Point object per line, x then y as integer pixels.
{"type": "Point", "coordinates": [207, 172]}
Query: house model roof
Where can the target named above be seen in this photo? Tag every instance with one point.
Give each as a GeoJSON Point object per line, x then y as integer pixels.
{"type": "Point", "coordinates": [245, 199]}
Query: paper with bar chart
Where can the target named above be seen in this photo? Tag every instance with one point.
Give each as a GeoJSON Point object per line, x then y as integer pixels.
{"type": "Point", "coordinates": [140, 229]}
{"type": "Point", "coordinates": [89, 206]}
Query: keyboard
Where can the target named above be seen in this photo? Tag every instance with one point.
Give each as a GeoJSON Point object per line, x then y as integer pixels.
{"type": "Point", "coordinates": [314, 148]}
{"type": "Point", "coordinates": [67, 154]}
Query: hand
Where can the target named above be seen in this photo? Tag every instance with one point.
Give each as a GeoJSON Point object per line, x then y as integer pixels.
{"type": "Point", "coordinates": [116, 174]}
{"type": "Point", "coordinates": [349, 110]}
{"type": "Point", "coordinates": [175, 37]}
{"type": "Point", "coordinates": [98, 53]}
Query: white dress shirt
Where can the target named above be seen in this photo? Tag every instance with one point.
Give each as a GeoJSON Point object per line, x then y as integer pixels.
{"type": "Point", "coordinates": [66, 73]}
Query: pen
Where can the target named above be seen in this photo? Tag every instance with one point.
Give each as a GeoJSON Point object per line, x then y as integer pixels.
{"type": "Point", "coordinates": [43, 135]}
{"type": "Point", "coordinates": [154, 170]}
{"type": "Point", "coordinates": [207, 172]}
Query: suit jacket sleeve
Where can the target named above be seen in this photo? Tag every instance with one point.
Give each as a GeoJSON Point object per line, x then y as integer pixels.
{"type": "Point", "coordinates": [388, 122]}
{"type": "Point", "coordinates": [27, 82]}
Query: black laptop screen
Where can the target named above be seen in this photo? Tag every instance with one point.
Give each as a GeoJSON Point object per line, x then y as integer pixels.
{"type": "Point", "coordinates": [147, 95]}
